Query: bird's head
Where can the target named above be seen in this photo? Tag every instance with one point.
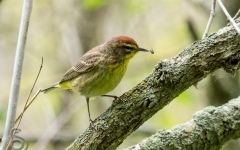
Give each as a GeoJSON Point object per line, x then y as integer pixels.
{"type": "Point", "coordinates": [125, 47]}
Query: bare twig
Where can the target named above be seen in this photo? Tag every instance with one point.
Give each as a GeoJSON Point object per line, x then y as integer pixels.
{"type": "Point", "coordinates": [228, 16]}
{"type": "Point", "coordinates": [20, 117]}
{"type": "Point", "coordinates": [212, 15]}
{"type": "Point", "coordinates": [28, 104]}
{"type": "Point", "coordinates": [238, 13]}
{"type": "Point", "coordinates": [17, 72]}
{"type": "Point", "coordinates": [26, 107]}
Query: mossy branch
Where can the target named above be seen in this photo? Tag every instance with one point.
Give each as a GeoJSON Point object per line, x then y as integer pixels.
{"type": "Point", "coordinates": [210, 128]}
{"type": "Point", "coordinates": [169, 78]}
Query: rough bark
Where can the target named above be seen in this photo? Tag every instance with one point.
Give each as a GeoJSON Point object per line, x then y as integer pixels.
{"type": "Point", "coordinates": [169, 78]}
{"type": "Point", "coordinates": [210, 128]}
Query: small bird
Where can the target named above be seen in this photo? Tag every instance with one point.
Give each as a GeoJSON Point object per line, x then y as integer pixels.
{"type": "Point", "coordinates": [99, 70]}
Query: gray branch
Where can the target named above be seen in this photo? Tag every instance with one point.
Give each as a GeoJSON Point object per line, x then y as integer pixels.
{"type": "Point", "coordinates": [17, 72]}
{"type": "Point", "coordinates": [169, 78]}
{"type": "Point", "coordinates": [228, 16]}
{"type": "Point", "coordinates": [210, 128]}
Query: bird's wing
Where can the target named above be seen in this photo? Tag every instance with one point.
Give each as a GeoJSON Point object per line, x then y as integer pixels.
{"type": "Point", "coordinates": [85, 64]}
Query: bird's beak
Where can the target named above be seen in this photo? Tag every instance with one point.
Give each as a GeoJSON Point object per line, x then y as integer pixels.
{"type": "Point", "coordinates": [145, 50]}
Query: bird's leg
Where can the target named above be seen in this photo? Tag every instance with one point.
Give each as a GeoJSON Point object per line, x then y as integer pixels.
{"type": "Point", "coordinates": [89, 116]}
{"type": "Point", "coordinates": [113, 96]}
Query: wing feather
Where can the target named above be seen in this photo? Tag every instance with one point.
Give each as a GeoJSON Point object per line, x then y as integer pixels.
{"type": "Point", "coordinates": [84, 65]}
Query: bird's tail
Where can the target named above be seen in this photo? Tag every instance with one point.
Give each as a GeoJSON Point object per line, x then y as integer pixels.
{"type": "Point", "coordinates": [50, 88]}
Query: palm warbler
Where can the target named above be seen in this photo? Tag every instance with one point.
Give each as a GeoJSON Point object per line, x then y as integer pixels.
{"type": "Point", "coordinates": [100, 69]}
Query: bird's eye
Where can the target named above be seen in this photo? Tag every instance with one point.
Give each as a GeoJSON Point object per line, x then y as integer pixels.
{"type": "Point", "coordinates": [128, 48]}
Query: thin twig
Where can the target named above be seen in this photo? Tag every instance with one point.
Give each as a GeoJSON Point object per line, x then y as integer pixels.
{"type": "Point", "coordinates": [228, 16]}
{"type": "Point", "coordinates": [238, 13]}
{"type": "Point", "coordinates": [27, 104]}
{"type": "Point", "coordinates": [212, 15]}
{"type": "Point", "coordinates": [26, 107]}
{"type": "Point", "coordinates": [17, 72]}
{"type": "Point", "coordinates": [21, 115]}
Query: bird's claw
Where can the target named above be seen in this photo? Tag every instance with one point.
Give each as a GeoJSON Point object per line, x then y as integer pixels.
{"type": "Point", "coordinates": [118, 98]}
{"type": "Point", "coordinates": [115, 98]}
{"type": "Point", "coordinates": [91, 124]}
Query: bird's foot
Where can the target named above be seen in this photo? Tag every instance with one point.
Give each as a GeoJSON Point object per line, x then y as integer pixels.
{"type": "Point", "coordinates": [115, 97]}
{"type": "Point", "coordinates": [91, 124]}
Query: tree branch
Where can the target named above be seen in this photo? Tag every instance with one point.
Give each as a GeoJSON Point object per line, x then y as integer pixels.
{"type": "Point", "coordinates": [17, 72]}
{"type": "Point", "coordinates": [210, 128]}
{"type": "Point", "coordinates": [212, 15]}
{"type": "Point", "coordinates": [169, 78]}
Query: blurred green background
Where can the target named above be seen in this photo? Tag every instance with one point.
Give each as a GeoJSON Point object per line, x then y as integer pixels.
{"type": "Point", "coordinates": [62, 31]}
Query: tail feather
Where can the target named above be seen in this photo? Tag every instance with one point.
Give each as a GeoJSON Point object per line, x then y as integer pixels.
{"type": "Point", "coordinates": [50, 88]}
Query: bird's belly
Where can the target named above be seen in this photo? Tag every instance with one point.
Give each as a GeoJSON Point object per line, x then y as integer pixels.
{"type": "Point", "coordinates": [94, 84]}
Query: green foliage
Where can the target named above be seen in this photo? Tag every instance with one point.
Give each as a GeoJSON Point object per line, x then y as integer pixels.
{"type": "Point", "coordinates": [93, 4]}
